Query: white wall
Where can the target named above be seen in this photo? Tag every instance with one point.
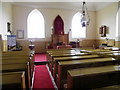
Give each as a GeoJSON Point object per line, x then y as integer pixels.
{"type": "Point", "coordinates": [6, 16]}
{"type": "Point", "coordinates": [20, 14]}
{"type": "Point", "coordinates": [0, 17]}
{"type": "Point", "coordinates": [107, 16]}
{"type": "Point", "coordinates": [118, 21]}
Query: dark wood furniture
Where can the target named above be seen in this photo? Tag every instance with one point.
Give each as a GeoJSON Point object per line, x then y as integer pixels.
{"type": "Point", "coordinates": [64, 66]}
{"type": "Point", "coordinates": [91, 78]}
{"type": "Point", "coordinates": [60, 40]}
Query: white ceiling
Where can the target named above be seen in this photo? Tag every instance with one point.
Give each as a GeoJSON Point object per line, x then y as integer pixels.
{"type": "Point", "coordinates": [67, 4]}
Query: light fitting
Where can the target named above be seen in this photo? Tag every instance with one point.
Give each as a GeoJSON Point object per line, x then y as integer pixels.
{"type": "Point", "coordinates": [85, 20]}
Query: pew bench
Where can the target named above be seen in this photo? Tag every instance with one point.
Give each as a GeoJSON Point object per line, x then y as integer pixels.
{"type": "Point", "coordinates": [100, 51]}
{"type": "Point", "coordinates": [114, 55]}
{"type": "Point", "coordinates": [94, 51]}
{"type": "Point", "coordinates": [64, 66]}
{"type": "Point", "coordinates": [113, 87]}
{"type": "Point", "coordinates": [13, 80]}
{"type": "Point", "coordinates": [19, 63]}
{"type": "Point", "coordinates": [91, 78]}
{"type": "Point", "coordinates": [55, 61]}
{"type": "Point", "coordinates": [52, 56]}
{"type": "Point", "coordinates": [16, 67]}
{"type": "Point", "coordinates": [58, 52]}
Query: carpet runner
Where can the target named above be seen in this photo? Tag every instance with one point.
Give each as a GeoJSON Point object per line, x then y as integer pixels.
{"type": "Point", "coordinates": [40, 57]}
{"type": "Point", "coordinates": [42, 76]}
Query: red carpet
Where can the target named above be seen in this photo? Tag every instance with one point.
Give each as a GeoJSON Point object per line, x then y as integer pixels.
{"type": "Point", "coordinates": [42, 78]}
{"type": "Point", "coordinates": [40, 57]}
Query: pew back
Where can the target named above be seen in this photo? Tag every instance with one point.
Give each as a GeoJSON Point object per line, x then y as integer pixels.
{"type": "Point", "coordinates": [64, 66]}
{"type": "Point", "coordinates": [93, 77]}
{"type": "Point", "coordinates": [13, 80]}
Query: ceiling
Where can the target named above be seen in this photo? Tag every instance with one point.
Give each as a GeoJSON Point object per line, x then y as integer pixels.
{"type": "Point", "coordinates": [93, 5]}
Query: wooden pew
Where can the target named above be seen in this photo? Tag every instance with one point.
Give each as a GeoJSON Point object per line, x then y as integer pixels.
{"type": "Point", "coordinates": [17, 67]}
{"type": "Point", "coordinates": [18, 62]}
{"type": "Point", "coordinates": [63, 66]}
{"type": "Point", "coordinates": [52, 56]}
{"type": "Point", "coordinates": [114, 55]}
{"type": "Point", "coordinates": [16, 52]}
{"type": "Point", "coordinates": [20, 54]}
{"type": "Point", "coordinates": [61, 51]}
{"type": "Point", "coordinates": [58, 53]}
{"type": "Point", "coordinates": [14, 63]}
{"type": "Point", "coordinates": [10, 60]}
{"type": "Point", "coordinates": [91, 78]}
{"type": "Point", "coordinates": [49, 53]}
{"type": "Point", "coordinates": [55, 61]}
{"type": "Point", "coordinates": [13, 80]}
{"type": "Point", "coordinates": [113, 87]}
{"type": "Point", "coordinates": [31, 68]}
{"type": "Point", "coordinates": [99, 51]}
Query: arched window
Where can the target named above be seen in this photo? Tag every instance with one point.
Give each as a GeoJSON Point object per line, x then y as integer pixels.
{"type": "Point", "coordinates": [35, 25]}
{"type": "Point", "coordinates": [77, 30]}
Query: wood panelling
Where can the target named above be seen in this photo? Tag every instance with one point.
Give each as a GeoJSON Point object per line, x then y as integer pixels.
{"type": "Point", "coordinates": [109, 42]}
{"type": "Point", "coordinates": [40, 46]}
{"type": "Point", "coordinates": [60, 39]}
{"type": "Point", "coordinates": [117, 44]}
{"type": "Point", "coordinates": [87, 43]}
{"type": "Point", "coordinates": [0, 42]}
{"type": "Point", "coordinates": [4, 45]}
{"type": "Point", "coordinates": [24, 44]}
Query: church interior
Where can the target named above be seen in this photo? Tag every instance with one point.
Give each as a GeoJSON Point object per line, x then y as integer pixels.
{"type": "Point", "coordinates": [60, 45]}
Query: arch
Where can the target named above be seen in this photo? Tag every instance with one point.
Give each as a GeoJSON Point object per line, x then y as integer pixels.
{"type": "Point", "coordinates": [77, 30]}
{"type": "Point", "coordinates": [35, 25]}
{"type": "Point", "coordinates": [58, 26]}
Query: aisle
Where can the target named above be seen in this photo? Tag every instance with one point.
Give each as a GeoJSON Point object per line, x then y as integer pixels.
{"type": "Point", "coordinates": [40, 57]}
{"type": "Point", "coordinates": [42, 76]}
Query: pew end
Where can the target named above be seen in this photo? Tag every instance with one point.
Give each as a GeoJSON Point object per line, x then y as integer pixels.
{"type": "Point", "coordinates": [13, 80]}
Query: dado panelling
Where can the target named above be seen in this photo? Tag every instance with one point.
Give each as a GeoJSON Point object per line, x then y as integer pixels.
{"type": "Point", "coordinates": [117, 44]}
{"type": "Point", "coordinates": [40, 46]}
{"type": "Point", "coordinates": [4, 45]}
{"type": "Point", "coordinates": [0, 42]}
{"type": "Point", "coordinates": [87, 43]}
{"type": "Point", "coordinates": [24, 44]}
{"type": "Point", "coordinates": [109, 42]}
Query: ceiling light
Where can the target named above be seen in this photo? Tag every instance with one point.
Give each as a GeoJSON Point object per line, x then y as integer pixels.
{"type": "Point", "coordinates": [85, 20]}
